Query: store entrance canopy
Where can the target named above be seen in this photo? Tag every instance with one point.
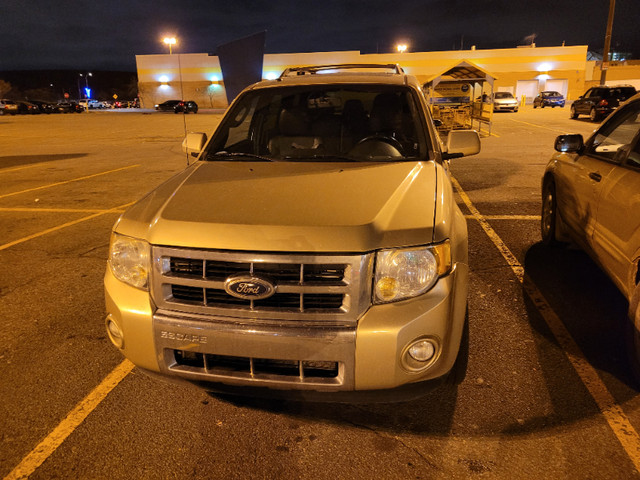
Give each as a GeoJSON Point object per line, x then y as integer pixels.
{"type": "Point", "coordinates": [465, 71]}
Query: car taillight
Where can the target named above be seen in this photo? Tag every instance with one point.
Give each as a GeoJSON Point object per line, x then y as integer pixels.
{"type": "Point", "coordinates": [603, 103]}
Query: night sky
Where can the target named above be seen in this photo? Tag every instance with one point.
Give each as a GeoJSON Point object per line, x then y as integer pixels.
{"type": "Point", "coordinates": [65, 34]}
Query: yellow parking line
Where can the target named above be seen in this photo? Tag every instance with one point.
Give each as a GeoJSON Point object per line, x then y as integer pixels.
{"type": "Point", "coordinates": [5, 170]}
{"type": "Point", "coordinates": [612, 412]}
{"type": "Point", "coordinates": [64, 225]}
{"type": "Point", "coordinates": [67, 181]}
{"type": "Point", "coordinates": [44, 449]}
{"type": "Point", "coordinates": [539, 126]}
{"type": "Point", "coordinates": [498, 217]}
{"type": "Point", "coordinates": [53, 210]}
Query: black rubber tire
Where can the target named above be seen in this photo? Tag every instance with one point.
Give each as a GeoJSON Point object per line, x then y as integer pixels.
{"type": "Point", "coordinates": [548, 215]}
{"type": "Point", "coordinates": [573, 113]}
{"type": "Point", "coordinates": [632, 340]}
{"type": "Point", "coordinates": [593, 115]}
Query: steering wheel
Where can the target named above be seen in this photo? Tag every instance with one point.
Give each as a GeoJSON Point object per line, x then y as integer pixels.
{"type": "Point", "coordinates": [383, 138]}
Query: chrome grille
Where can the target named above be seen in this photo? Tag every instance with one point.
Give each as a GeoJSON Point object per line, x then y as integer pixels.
{"type": "Point", "coordinates": [323, 288]}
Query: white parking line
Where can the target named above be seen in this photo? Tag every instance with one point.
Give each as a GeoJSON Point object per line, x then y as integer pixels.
{"type": "Point", "coordinates": [612, 412]}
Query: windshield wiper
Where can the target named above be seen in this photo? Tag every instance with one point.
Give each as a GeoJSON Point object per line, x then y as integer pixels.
{"type": "Point", "coordinates": [248, 156]}
{"type": "Point", "coordinates": [333, 158]}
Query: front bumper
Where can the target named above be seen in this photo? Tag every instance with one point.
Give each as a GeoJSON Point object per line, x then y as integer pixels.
{"type": "Point", "coordinates": [241, 352]}
{"type": "Point", "coordinates": [497, 107]}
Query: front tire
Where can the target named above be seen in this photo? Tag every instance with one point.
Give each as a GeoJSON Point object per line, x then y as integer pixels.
{"type": "Point", "coordinates": [632, 337]}
{"type": "Point", "coordinates": [574, 114]}
{"type": "Point", "coordinates": [549, 220]}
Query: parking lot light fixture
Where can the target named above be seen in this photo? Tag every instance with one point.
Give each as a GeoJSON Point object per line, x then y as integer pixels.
{"type": "Point", "coordinates": [402, 47]}
{"type": "Point", "coordinates": [170, 41]}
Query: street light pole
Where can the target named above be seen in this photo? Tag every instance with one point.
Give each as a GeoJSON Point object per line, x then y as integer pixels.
{"type": "Point", "coordinates": [607, 44]}
{"type": "Point", "coordinates": [86, 84]}
{"type": "Point", "coordinates": [169, 41]}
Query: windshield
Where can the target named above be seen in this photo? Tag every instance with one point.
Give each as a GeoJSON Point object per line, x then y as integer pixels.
{"type": "Point", "coordinates": [322, 123]}
{"type": "Point", "coordinates": [503, 95]}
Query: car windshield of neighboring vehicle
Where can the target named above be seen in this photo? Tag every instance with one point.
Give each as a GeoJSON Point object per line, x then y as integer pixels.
{"type": "Point", "coordinates": [501, 95]}
{"type": "Point", "coordinates": [323, 123]}
{"type": "Point", "coordinates": [550, 94]}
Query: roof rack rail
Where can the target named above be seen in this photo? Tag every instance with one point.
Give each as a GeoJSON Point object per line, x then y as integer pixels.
{"type": "Point", "coordinates": [311, 70]}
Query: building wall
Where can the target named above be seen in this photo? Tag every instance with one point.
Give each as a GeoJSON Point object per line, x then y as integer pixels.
{"type": "Point", "coordinates": [618, 73]}
{"type": "Point", "coordinates": [197, 76]}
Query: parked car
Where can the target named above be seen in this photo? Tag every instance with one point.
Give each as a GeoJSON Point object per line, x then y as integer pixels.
{"type": "Point", "coordinates": [90, 104]}
{"type": "Point", "coordinates": [27, 108]}
{"type": "Point", "coordinates": [178, 106]}
{"type": "Point", "coordinates": [69, 107]}
{"type": "Point", "coordinates": [598, 102]}
{"type": "Point", "coordinates": [504, 102]}
{"type": "Point", "coordinates": [45, 107]}
{"type": "Point", "coordinates": [8, 107]}
{"type": "Point", "coordinates": [548, 98]}
{"type": "Point", "coordinates": [590, 198]}
{"type": "Point", "coordinates": [315, 245]}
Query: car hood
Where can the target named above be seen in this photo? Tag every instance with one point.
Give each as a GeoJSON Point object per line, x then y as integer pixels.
{"type": "Point", "coordinates": [285, 206]}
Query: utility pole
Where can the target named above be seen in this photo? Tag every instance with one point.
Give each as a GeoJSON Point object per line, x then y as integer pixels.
{"type": "Point", "coordinates": [607, 44]}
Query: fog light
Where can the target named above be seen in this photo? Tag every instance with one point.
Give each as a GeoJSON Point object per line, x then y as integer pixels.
{"type": "Point", "coordinates": [115, 333]}
{"type": "Point", "coordinates": [422, 350]}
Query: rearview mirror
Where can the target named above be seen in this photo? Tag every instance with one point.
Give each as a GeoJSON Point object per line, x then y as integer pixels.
{"type": "Point", "coordinates": [193, 143]}
{"type": "Point", "coordinates": [461, 143]}
{"type": "Point", "coordinates": [569, 143]}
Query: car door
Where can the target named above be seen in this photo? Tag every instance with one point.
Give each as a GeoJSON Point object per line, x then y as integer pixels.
{"type": "Point", "coordinates": [579, 104]}
{"type": "Point", "coordinates": [580, 179]}
{"type": "Point", "coordinates": [616, 238]}
{"type": "Point", "coordinates": [591, 99]}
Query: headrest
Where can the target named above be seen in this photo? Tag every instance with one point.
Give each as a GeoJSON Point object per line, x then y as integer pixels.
{"type": "Point", "coordinates": [293, 123]}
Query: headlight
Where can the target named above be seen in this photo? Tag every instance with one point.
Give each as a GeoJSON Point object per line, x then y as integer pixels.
{"type": "Point", "coordinates": [406, 273]}
{"type": "Point", "coordinates": [129, 260]}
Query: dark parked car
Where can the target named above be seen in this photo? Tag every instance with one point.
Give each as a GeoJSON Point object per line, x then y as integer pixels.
{"type": "Point", "coordinates": [178, 106]}
{"type": "Point", "coordinates": [548, 99]}
{"type": "Point", "coordinates": [70, 107]}
{"type": "Point", "coordinates": [27, 108]}
{"type": "Point", "coordinates": [44, 107]}
{"type": "Point", "coordinates": [598, 102]}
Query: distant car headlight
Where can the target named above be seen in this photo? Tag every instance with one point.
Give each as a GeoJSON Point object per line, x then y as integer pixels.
{"type": "Point", "coordinates": [405, 273]}
{"type": "Point", "coordinates": [129, 260]}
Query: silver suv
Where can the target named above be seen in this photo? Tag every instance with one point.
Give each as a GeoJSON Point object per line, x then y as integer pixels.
{"type": "Point", "coordinates": [315, 245]}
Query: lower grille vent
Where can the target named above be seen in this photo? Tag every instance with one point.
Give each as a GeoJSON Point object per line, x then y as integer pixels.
{"type": "Point", "coordinates": [228, 365]}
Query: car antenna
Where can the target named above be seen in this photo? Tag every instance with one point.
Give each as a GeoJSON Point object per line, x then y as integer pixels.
{"type": "Point", "coordinates": [184, 110]}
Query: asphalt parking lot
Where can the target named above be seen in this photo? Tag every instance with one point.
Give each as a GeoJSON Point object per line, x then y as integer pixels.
{"type": "Point", "coordinates": [547, 393]}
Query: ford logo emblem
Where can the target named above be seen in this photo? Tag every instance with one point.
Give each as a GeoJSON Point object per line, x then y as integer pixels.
{"type": "Point", "coordinates": [248, 287]}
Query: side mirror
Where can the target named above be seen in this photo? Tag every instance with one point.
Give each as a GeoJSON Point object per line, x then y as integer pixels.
{"type": "Point", "coordinates": [573, 143]}
{"type": "Point", "coordinates": [461, 143]}
{"type": "Point", "coordinates": [193, 143]}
